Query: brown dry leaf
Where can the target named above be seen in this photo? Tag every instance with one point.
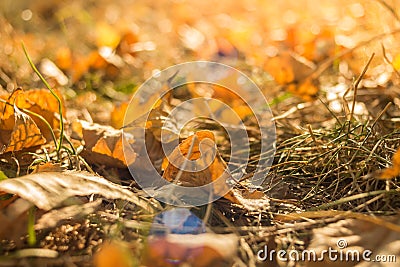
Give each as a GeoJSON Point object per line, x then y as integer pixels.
{"type": "Point", "coordinates": [49, 167]}
{"type": "Point", "coordinates": [250, 200]}
{"type": "Point", "coordinates": [47, 190]}
{"type": "Point", "coordinates": [25, 133]}
{"type": "Point", "coordinates": [216, 170]}
{"type": "Point", "coordinates": [357, 236]}
{"type": "Point", "coordinates": [200, 250]}
{"type": "Point", "coordinates": [292, 71]}
{"type": "Point", "coordinates": [104, 144]}
{"type": "Point", "coordinates": [391, 172]}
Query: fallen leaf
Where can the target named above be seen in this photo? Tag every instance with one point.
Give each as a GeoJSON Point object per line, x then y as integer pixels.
{"type": "Point", "coordinates": [391, 172]}
{"type": "Point", "coordinates": [38, 101]}
{"type": "Point", "coordinates": [292, 71]}
{"type": "Point", "coordinates": [25, 134]}
{"type": "Point", "coordinates": [201, 151]}
{"type": "Point", "coordinates": [56, 216]}
{"type": "Point", "coordinates": [201, 250]}
{"type": "Point", "coordinates": [118, 115]}
{"type": "Point", "coordinates": [104, 144]}
{"type": "Point", "coordinates": [250, 200]}
{"type": "Point", "coordinates": [47, 190]}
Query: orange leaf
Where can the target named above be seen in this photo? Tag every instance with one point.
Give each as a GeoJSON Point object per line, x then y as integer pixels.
{"type": "Point", "coordinates": [391, 172]}
{"type": "Point", "coordinates": [25, 134]}
{"type": "Point", "coordinates": [39, 101]}
{"type": "Point", "coordinates": [211, 169]}
{"type": "Point", "coordinates": [118, 114]}
{"type": "Point", "coordinates": [292, 71]}
{"type": "Point", "coordinates": [104, 144]}
{"type": "Point", "coordinates": [113, 253]}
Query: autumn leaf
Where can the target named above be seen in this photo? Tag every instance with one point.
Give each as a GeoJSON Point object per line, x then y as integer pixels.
{"type": "Point", "coordinates": [104, 144]}
{"type": "Point", "coordinates": [38, 101]}
{"type": "Point", "coordinates": [223, 103]}
{"type": "Point", "coordinates": [292, 71]}
{"type": "Point", "coordinates": [25, 133]}
{"type": "Point", "coordinates": [47, 190]}
{"type": "Point", "coordinates": [201, 250]}
{"type": "Point", "coordinates": [200, 150]}
{"type": "Point", "coordinates": [118, 115]}
{"type": "Point", "coordinates": [391, 172]}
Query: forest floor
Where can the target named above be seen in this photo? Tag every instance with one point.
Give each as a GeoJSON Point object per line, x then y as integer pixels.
{"type": "Point", "coordinates": [329, 73]}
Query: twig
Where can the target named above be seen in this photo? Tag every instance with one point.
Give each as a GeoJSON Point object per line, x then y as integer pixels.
{"type": "Point", "coordinates": [389, 61]}
{"type": "Point", "coordinates": [357, 83]}
{"type": "Point", "coordinates": [391, 9]}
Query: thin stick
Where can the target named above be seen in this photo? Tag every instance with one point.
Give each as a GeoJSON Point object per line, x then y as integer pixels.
{"type": "Point", "coordinates": [380, 114]}
{"type": "Point", "coordinates": [357, 83]}
{"type": "Point", "coordinates": [391, 9]}
{"type": "Point", "coordinates": [310, 130]}
{"type": "Point", "coordinates": [389, 61]}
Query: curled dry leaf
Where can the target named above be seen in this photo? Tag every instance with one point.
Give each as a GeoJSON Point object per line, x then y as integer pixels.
{"type": "Point", "coordinates": [202, 154]}
{"type": "Point", "coordinates": [47, 190]}
{"type": "Point", "coordinates": [24, 134]}
{"type": "Point", "coordinates": [38, 101]}
{"type": "Point", "coordinates": [250, 200]}
{"type": "Point", "coordinates": [104, 144]}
